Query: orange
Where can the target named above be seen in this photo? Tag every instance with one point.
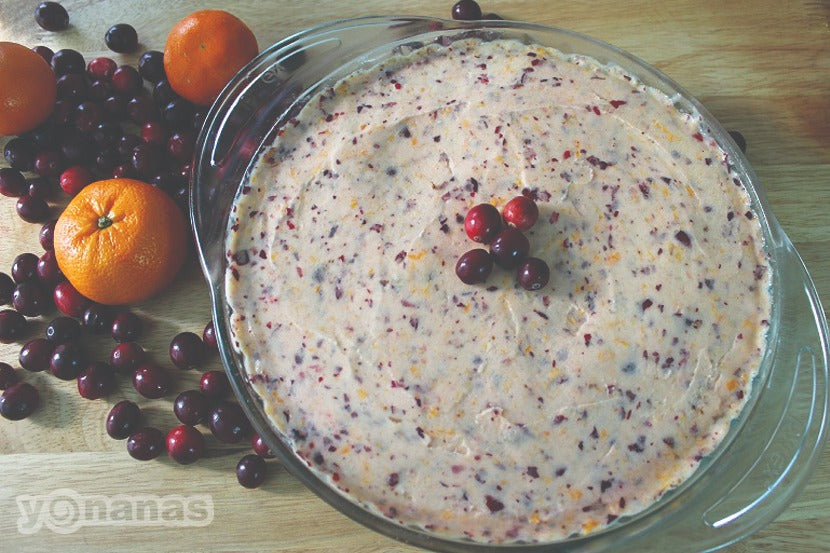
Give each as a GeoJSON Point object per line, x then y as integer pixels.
{"type": "Point", "coordinates": [119, 241]}
{"type": "Point", "coordinates": [204, 51]}
{"type": "Point", "coordinates": [27, 89]}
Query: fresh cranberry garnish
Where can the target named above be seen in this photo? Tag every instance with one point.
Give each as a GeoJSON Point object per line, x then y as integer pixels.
{"type": "Point", "coordinates": [185, 444]}
{"type": "Point", "coordinates": [123, 419]}
{"type": "Point", "coordinates": [101, 69]}
{"type": "Point", "coordinates": [51, 16]}
{"type": "Point", "coordinates": [466, 10]}
{"type": "Point", "coordinates": [98, 318]}
{"type": "Point", "coordinates": [151, 66]}
{"type": "Point", "coordinates": [12, 182]}
{"type": "Point", "coordinates": [24, 267]}
{"type": "Point", "coordinates": [36, 355]}
{"type": "Point", "coordinates": [251, 470]}
{"type": "Point", "coordinates": [121, 38]}
{"type": "Point", "coordinates": [49, 164]}
{"type": "Point", "coordinates": [209, 337]}
{"type": "Point", "coordinates": [68, 361]}
{"type": "Point", "coordinates": [521, 212]}
{"type": "Point", "coordinates": [12, 326]}
{"type": "Point", "coordinates": [68, 61]}
{"type": "Point", "coordinates": [145, 444]}
{"type": "Point", "coordinates": [127, 357]}
{"type": "Point", "coordinates": [45, 52]}
{"type": "Point", "coordinates": [509, 248]}
{"type": "Point", "coordinates": [180, 145]}
{"type": "Point", "coordinates": [87, 116]}
{"type": "Point", "coordinates": [19, 401]}
{"type": "Point", "coordinates": [474, 266]}
{"type": "Point", "coordinates": [78, 148]}
{"type": "Point", "coordinates": [215, 384]}
{"type": "Point", "coordinates": [116, 106]}
{"type": "Point", "coordinates": [73, 88]}
{"type": "Point", "coordinates": [68, 300]}
{"type": "Point", "coordinates": [191, 407]}
{"type": "Point", "coordinates": [48, 270]}
{"type": "Point", "coordinates": [228, 422]}
{"type": "Point", "coordinates": [20, 153]}
{"type": "Point", "coordinates": [482, 223]}
{"type": "Point", "coordinates": [163, 93]}
{"type": "Point", "coordinates": [187, 350]}
{"type": "Point", "coordinates": [32, 209]}
{"type": "Point", "coordinates": [41, 187]}
{"type": "Point", "coordinates": [533, 274]}
{"type": "Point", "coordinates": [154, 133]}
{"type": "Point", "coordinates": [151, 381]}
{"type": "Point", "coordinates": [141, 110]}
{"type": "Point", "coordinates": [147, 159]}
{"type": "Point", "coordinates": [63, 329]}
{"type": "Point", "coordinates": [178, 113]}
{"type": "Point", "coordinates": [8, 376]}
{"type": "Point", "coordinates": [47, 236]}
{"type": "Point", "coordinates": [96, 381]}
{"type": "Point", "coordinates": [74, 179]}
{"type": "Point", "coordinates": [30, 299]}
{"type": "Point", "coordinates": [261, 448]}
{"type": "Point", "coordinates": [126, 327]}
{"type": "Point", "coordinates": [126, 80]}
{"type": "Point", "coordinates": [6, 289]}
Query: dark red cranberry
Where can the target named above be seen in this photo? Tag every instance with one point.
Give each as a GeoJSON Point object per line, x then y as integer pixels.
{"type": "Point", "coordinates": [126, 80]}
{"type": "Point", "coordinates": [68, 360]}
{"type": "Point", "coordinates": [45, 52]}
{"type": "Point", "coordinates": [147, 159]}
{"type": "Point", "coordinates": [154, 133]}
{"type": "Point", "coordinates": [121, 38]}
{"type": "Point", "coordinates": [126, 327]}
{"type": "Point", "coordinates": [87, 116]}
{"type": "Point", "coordinates": [12, 326]}
{"type": "Point", "coordinates": [8, 376]}
{"type": "Point", "coordinates": [261, 448]}
{"type": "Point", "coordinates": [521, 212]}
{"type": "Point", "coordinates": [115, 106]}
{"type": "Point", "coordinates": [75, 178]}
{"type": "Point", "coordinates": [126, 145]}
{"type": "Point", "coordinates": [185, 444]}
{"type": "Point", "coordinates": [36, 355]}
{"type": "Point", "coordinates": [250, 471]}
{"type": "Point", "coordinates": [533, 274]}
{"type": "Point", "coordinates": [51, 16]}
{"type": "Point", "coordinates": [209, 338]}
{"type": "Point", "coordinates": [178, 113]}
{"type": "Point", "coordinates": [20, 154]}
{"type": "Point", "coordinates": [98, 319]}
{"type": "Point", "coordinates": [100, 91]}
{"type": "Point", "coordinates": [101, 69]}
{"type": "Point", "coordinates": [151, 381]}
{"type": "Point", "coordinates": [474, 266]}
{"type": "Point", "coordinates": [151, 66]}
{"type": "Point", "coordinates": [739, 139]}
{"type": "Point", "coordinates": [41, 187]}
{"type": "Point", "coordinates": [127, 357]}
{"type": "Point", "coordinates": [123, 419]}
{"type": "Point", "coordinates": [163, 93]}
{"type": "Point", "coordinates": [96, 381]}
{"type": "Point", "coordinates": [191, 407]}
{"type": "Point", "coordinates": [77, 147]}
{"type": "Point", "coordinates": [509, 248]}
{"type": "Point", "coordinates": [24, 267]}
{"type": "Point", "coordinates": [63, 329]}
{"type": "Point", "coordinates": [6, 289]}
{"type": "Point", "coordinates": [45, 136]}
{"type": "Point", "coordinates": [32, 209]}
{"type": "Point", "coordinates": [68, 300]}
{"type": "Point", "coordinates": [47, 236]}
{"type": "Point", "coordinates": [73, 88]}
{"type": "Point", "coordinates": [48, 271]}
{"type": "Point", "coordinates": [123, 172]}
{"type": "Point", "coordinates": [141, 110]}
{"type": "Point", "coordinates": [187, 351]}
{"type": "Point", "coordinates": [145, 444]}
{"type": "Point", "coordinates": [12, 182]}
{"type": "Point", "coordinates": [466, 10]}
{"type": "Point", "coordinates": [107, 134]}
{"type": "Point", "coordinates": [30, 299]}
{"type": "Point", "coordinates": [19, 401]}
{"type": "Point", "coordinates": [166, 181]}
{"type": "Point", "coordinates": [49, 164]}
{"type": "Point", "coordinates": [215, 384]}
{"type": "Point", "coordinates": [180, 145]}
{"type": "Point", "coordinates": [482, 223]}
{"type": "Point", "coordinates": [62, 114]}
{"type": "Point", "coordinates": [228, 422]}
{"type": "Point", "coordinates": [492, 17]}
{"type": "Point", "coordinates": [68, 61]}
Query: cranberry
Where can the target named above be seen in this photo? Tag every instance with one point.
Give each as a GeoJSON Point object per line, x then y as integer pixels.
{"type": "Point", "coordinates": [96, 381]}
{"type": "Point", "coordinates": [63, 329]}
{"type": "Point", "coordinates": [6, 289]}
{"type": "Point", "coordinates": [12, 326]}
{"type": "Point", "coordinates": [121, 38]}
{"type": "Point", "coordinates": [32, 209]}
{"type": "Point", "coordinates": [8, 376]}
{"type": "Point", "coordinates": [466, 10]}
{"type": "Point", "coordinates": [178, 113]}
{"type": "Point", "coordinates": [87, 116]}
{"type": "Point", "coordinates": [482, 223]}
{"type": "Point", "coordinates": [36, 355]}
{"type": "Point", "coordinates": [51, 16]}
{"type": "Point", "coordinates": [151, 381]}
{"type": "Point", "coordinates": [20, 154]}
{"type": "Point", "coordinates": [215, 384]}
{"type": "Point", "coordinates": [12, 182]}
{"type": "Point", "coordinates": [42, 188]}
{"type": "Point", "coordinates": [521, 212]}
{"type": "Point", "coordinates": [127, 357]}
{"type": "Point", "coordinates": [126, 144]}
{"type": "Point", "coordinates": [739, 139]}
{"type": "Point", "coordinates": [19, 401]}
{"type": "Point", "coordinates": [68, 300]}
{"type": "Point", "coordinates": [116, 106]}
{"type": "Point", "coordinates": [126, 327]}
{"type": "Point", "coordinates": [101, 69]}
{"type": "Point", "coordinates": [187, 350]}
{"type": "Point", "coordinates": [492, 17]}
{"type": "Point", "coordinates": [209, 338]}
{"type": "Point", "coordinates": [141, 109]}
{"type": "Point", "coordinates": [68, 360]}
{"type": "Point", "coordinates": [73, 88]}
{"type": "Point", "coordinates": [75, 179]}
{"type": "Point", "coordinates": [533, 274]}
{"type": "Point", "coordinates": [151, 66]}
{"type": "Point", "coordinates": [147, 159]}
{"type": "Point", "coordinates": [67, 61]}
{"type": "Point", "coordinates": [185, 444]}
{"type": "Point", "coordinates": [191, 407]}
{"type": "Point", "coordinates": [123, 172]}
{"type": "Point", "coordinates": [123, 419]}
{"type": "Point", "coordinates": [261, 448]}
{"type": "Point", "coordinates": [47, 269]}
{"type": "Point", "coordinates": [250, 471]}
{"type": "Point", "coordinates": [77, 147]}
{"type": "Point", "coordinates": [24, 267]}
{"type": "Point", "coordinates": [163, 93]}
{"type": "Point", "coordinates": [45, 52]}
{"type": "Point", "coordinates": [228, 422]}
{"type": "Point", "coordinates": [45, 136]}
{"type": "Point", "coordinates": [100, 91]}
{"type": "Point", "coordinates": [509, 248]}
{"type": "Point", "coordinates": [180, 145]}
{"type": "Point", "coordinates": [126, 80]}
{"type": "Point", "coordinates": [154, 133]}
{"type": "Point", "coordinates": [47, 235]}
{"type": "Point", "coordinates": [108, 135]}
{"type": "Point", "coordinates": [63, 113]}
{"type": "Point", "coordinates": [98, 319]}
{"type": "Point", "coordinates": [30, 299]}
{"type": "Point", "coordinates": [474, 266]}
{"type": "Point", "coordinates": [49, 164]}
{"type": "Point", "coordinates": [145, 444]}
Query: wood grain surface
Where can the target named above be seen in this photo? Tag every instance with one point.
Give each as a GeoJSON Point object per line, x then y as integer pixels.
{"type": "Point", "coordinates": [760, 66]}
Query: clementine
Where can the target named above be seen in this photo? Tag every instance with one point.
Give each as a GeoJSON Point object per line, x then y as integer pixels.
{"type": "Point", "coordinates": [27, 89]}
{"type": "Point", "coordinates": [204, 50]}
{"type": "Point", "coordinates": [119, 241]}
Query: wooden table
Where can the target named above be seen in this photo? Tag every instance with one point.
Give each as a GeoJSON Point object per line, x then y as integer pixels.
{"type": "Point", "coordinates": [760, 66]}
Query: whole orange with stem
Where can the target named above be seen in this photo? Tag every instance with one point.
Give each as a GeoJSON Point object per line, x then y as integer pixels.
{"type": "Point", "coordinates": [119, 241]}
{"type": "Point", "coordinates": [27, 89]}
{"type": "Point", "coordinates": [204, 51]}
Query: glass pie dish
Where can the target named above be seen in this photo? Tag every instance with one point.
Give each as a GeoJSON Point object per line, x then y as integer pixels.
{"type": "Point", "coordinates": [772, 447]}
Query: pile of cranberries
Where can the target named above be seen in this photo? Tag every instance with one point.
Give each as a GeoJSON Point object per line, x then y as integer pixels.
{"type": "Point", "coordinates": [509, 247]}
